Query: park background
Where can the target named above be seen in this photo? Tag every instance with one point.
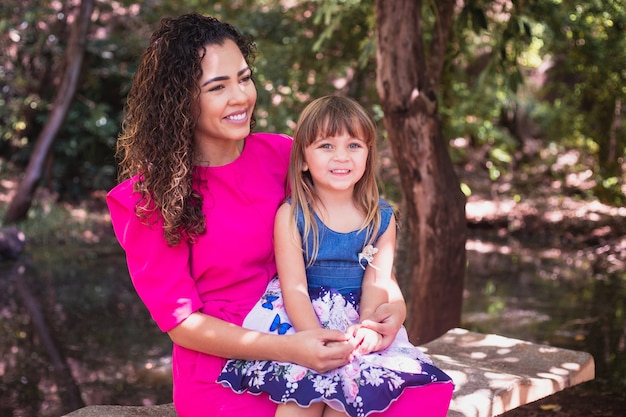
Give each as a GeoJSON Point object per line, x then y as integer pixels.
{"type": "Point", "coordinates": [530, 102]}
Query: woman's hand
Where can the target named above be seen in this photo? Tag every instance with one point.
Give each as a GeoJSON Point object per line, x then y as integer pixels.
{"type": "Point", "coordinates": [319, 349]}
{"type": "Point", "coordinates": [386, 320]}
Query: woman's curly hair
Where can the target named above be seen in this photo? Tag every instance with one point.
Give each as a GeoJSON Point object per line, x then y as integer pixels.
{"type": "Point", "coordinates": [157, 139]}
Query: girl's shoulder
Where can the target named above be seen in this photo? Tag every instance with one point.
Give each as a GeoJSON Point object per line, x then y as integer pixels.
{"type": "Point", "coordinates": [386, 213]}
{"type": "Point", "coordinates": [385, 206]}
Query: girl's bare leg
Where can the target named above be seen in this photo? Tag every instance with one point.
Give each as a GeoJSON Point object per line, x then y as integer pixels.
{"type": "Point", "coordinates": [330, 412]}
{"type": "Point", "coordinates": [292, 409]}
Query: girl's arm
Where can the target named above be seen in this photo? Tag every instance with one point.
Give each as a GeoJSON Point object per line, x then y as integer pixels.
{"type": "Point", "coordinates": [319, 349]}
{"type": "Point", "coordinates": [383, 309]}
{"type": "Point", "coordinates": [292, 272]}
{"type": "Point", "coordinates": [378, 282]}
{"type": "Point", "coordinates": [388, 318]}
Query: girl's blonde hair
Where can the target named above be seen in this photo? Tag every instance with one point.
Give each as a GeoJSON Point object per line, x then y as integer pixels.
{"type": "Point", "coordinates": [325, 117]}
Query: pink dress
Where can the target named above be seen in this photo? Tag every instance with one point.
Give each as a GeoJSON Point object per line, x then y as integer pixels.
{"type": "Point", "coordinates": [223, 274]}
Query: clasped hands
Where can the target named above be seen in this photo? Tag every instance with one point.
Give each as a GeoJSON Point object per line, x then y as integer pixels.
{"type": "Point", "coordinates": [324, 350]}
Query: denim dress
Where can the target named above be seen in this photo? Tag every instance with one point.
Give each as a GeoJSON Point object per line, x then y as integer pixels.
{"type": "Point", "coordinates": [368, 384]}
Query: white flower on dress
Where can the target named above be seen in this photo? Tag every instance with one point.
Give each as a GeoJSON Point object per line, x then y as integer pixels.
{"type": "Point", "coordinates": [394, 381]}
{"type": "Point", "coordinates": [373, 376]}
{"type": "Point", "coordinates": [338, 318]}
{"type": "Point", "coordinates": [368, 253]}
{"type": "Point", "coordinates": [258, 379]}
{"type": "Point", "coordinates": [324, 386]}
{"type": "Point", "coordinates": [254, 367]}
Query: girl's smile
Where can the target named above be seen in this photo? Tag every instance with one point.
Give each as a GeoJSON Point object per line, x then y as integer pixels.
{"type": "Point", "coordinates": [336, 162]}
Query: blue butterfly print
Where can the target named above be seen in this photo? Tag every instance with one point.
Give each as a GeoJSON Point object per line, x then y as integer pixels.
{"type": "Point", "coordinates": [277, 325]}
{"type": "Point", "coordinates": [269, 299]}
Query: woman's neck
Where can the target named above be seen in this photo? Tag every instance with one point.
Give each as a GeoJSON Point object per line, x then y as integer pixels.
{"type": "Point", "coordinates": [218, 153]}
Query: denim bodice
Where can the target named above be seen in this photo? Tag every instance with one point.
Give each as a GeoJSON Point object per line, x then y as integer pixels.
{"type": "Point", "coordinates": [337, 264]}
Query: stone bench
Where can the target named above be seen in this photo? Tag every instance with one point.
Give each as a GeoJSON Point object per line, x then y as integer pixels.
{"type": "Point", "coordinates": [495, 374]}
{"type": "Point", "coordinates": [492, 375]}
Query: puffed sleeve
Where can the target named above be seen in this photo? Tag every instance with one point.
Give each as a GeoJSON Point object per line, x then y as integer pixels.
{"type": "Point", "coordinates": [160, 273]}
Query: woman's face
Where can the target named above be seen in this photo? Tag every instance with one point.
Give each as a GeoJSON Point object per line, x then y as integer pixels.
{"type": "Point", "coordinates": [227, 95]}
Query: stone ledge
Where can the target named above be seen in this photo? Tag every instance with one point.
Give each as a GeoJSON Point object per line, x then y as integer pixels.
{"type": "Point", "coordinates": [165, 410]}
{"type": "Point", "coordinates": [492, 375]}
{"type": "Point", "coordinates": [495, 374]}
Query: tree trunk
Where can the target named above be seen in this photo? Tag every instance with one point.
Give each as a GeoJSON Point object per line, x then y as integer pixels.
{"type": "Point", "coordinates": [408, 76]}
{"type": "Point", "coordinates": [21, 202]}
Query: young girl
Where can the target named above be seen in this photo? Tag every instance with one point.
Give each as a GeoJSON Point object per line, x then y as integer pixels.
{"type": "Point", "coordinates": [334, 242]}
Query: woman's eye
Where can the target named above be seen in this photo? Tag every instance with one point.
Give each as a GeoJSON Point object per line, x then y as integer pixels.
{"type": "Point", "coordinates": [216, 88]}
{"type": "Point", "coordinates": [246, 79]}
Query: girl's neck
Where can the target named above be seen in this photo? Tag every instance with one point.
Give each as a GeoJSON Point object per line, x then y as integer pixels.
{"type": "Point", "coordinates": [339, 213]}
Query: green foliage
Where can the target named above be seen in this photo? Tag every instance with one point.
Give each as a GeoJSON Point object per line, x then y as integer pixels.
{"type": "Point", "coordinates": [82, 159]}
{"type": "Point", "coordinates": [551, 71]}
{"type": "Point", "coordinates": [488, 96]}
{"type": "Point", "coordinates": [588, 84]}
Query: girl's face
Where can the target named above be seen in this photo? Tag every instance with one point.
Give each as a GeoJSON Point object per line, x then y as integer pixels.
{"type": "Point", "coordinates": [336, 163]}
{"type": "Point", "coordinates": [227, 95]}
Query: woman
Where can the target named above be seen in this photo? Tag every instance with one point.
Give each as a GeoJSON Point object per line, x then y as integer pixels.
{"type": "Point", "coordinates": [195, 213]}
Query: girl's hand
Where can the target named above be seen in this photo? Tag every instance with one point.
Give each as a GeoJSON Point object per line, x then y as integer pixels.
{"type": "Point", "coordinates": [386, 320]}
{"type": "Point", "coordinates": [366, 340]}
{"type": "Point", "coordinates": [319, 349]}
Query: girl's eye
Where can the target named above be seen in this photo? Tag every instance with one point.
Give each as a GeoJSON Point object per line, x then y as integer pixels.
{"type": "Point", "coordinates": [216, 88]}
{"type": "Point", "coordinates": [355, 145]}
{"type": "Point", "coordinates": [325, 146]}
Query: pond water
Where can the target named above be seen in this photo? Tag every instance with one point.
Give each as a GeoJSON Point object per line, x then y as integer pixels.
{"type": "Point", "coordinates": [77, 307]}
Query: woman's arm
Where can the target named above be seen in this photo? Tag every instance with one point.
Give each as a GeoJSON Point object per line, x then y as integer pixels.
{"type": "Point", "coordinates": [292, 272]}
{"type": "Point", "coordinates": [318, 349]}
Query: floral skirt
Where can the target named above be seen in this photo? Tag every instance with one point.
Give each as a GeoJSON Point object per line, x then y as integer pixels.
{"type": "Point", "coordinates": [370, 383]}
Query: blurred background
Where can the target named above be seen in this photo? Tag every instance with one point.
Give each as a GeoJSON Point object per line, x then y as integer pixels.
{"type": "Point", "coordinates": [531, 102]}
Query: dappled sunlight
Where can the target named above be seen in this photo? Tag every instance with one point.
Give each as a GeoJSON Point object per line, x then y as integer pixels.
{"type": "Point", "coordinates": [482, 246]}
{"type": "Point", "coordinates": [8, 190]}
{"type": "Point", "coordinates": [515, 371]}
{"type": "Point", "coordinates": [488, 209]}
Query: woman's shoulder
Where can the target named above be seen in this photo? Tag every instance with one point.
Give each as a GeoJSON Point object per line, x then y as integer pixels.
{"type": "Point", "coordinates": [270, 147]}
{"type": "Point", "coordinates": [271, 139]}
{"type": "Point", "coordinates": [124, 192]}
